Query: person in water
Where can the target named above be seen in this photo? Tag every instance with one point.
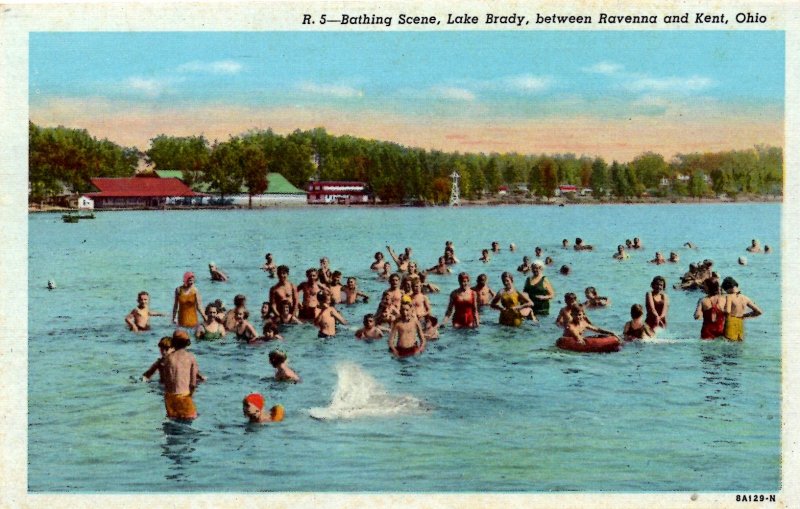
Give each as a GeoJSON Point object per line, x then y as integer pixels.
{"type": "Point", "coordinates": [309, 289]}
{"type": "Point", "coordinates": [180, 378]}
{"type": "Point", "coordinates": [485, 294]}
{"type": "Point", "coordinates": [525, 266]}
{"type": "Point", "coordinates": [565, 244]}
{"type": "Point", "coordinates": [579, 324]}
{"type": "Point", "coordinates": [440, 268]}
{"type": "Point", "coordinates": [377, 265]}
{"type": "Point", "coordinates": [463, 305]}
{"type": "Point", "coordinates": [370, 330]}
{"type": "Point", "coordinates": [593, 300]}
{"type": "Point", "coordinates": [285, 317]}
{"type": "Point", "coordinates": [637, 244]}
{"type": "Point", "coordinates": [328, 317]}
{"type": "Point", "coordinates": [621, 254]}
{"type": "Point", "coordinates": [239, 306]}
{"type": "Point", "coordinates": [253, 409]}
{"type": "Point", "coordinates": [673, 257]}
{"type": "Point", "coordinates": [351, 293]}
{"type": "Point", "coordinates": [187, 303]}
{"type": "Point", "coordinates": [711, 309]}
{"type": "Point", "coordinates": [736, 306]}
{"type": "Point", "coordinates": [165, 348]}
{"type": "Point", "coordinates": [269, 333]}
{"type": "Point", "coordinates": [539, 290]}
{"type": "Point", "coordinates": [216, 274]}
{"type": "Point", "coordinates": [212, 327]}
{"type": "Point", "coordinates": [565, 270]}
{"type": "Point", "coordinates": [580, 246]}
{"type": "Point", "coordinates": [280, 361]}
{"type": "Point", "coordinates": [284, 290]}
{"type": "Point", "coordinates": [514, 306]}
{"type": "Point", "coordinates": [405, 331]}
{"type": "Point", "coordinates": [386, 313]}
{"type": "Point", "coordinates": [636, 328]}
{"type": "Point", "coordinates": [399, 260]}
{"type": "Point", "coordinates": [324, 273]}
{"type": "Point", "coordinates": [564, 314]}
{"type": "Point", "coordinates": [243, 329]}
{"type": "Point", "coordinates": [139, 317]}
{"type": "Point", "coordinates": [485, 257]}
{"type": "Point", "coordinates": [421, 305]}
{"type": "Point", "coordinates": [754, 247]}
{"type": "Point", "coordinates": [495, 247]}
{"type": "Point", "coordinates": [269, 265]}
{"type": "Point", "coordinates": [657, 303]}
{"type": "Point", "coordinates": [659, 259]}
{"type": "Point", "coordinates": [386, 272]}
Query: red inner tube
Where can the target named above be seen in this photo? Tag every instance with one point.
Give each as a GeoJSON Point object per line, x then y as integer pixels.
{"type": "Point", "coordinates": [594, 344]}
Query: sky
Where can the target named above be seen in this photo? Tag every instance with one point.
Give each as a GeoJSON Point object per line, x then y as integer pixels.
{"type": "Point", "coordinates": [613, 94]}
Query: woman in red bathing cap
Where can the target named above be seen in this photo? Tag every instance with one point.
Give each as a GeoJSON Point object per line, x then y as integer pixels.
{"type": "Point", "coordinates": [253, 409]}
{"type": "Point", "coordinates": [187, 304]}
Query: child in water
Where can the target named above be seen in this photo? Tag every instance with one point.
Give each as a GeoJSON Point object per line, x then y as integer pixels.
{"type": "Point", "coordinates": [636, 328]}
{"type": "Point", "coordinates": [593, 300]}
{"type": "Point", "coordinates": [579, 323]}
{"type": "Point", "coordinates": [253, 409]}
{"type": "Point", "coordinates": [165, 347]}
{"type": "Point", "coordinates": [139, 317]}
{"type": "Point", "coordinates": [370, 330]}
{"type": "Point", "coordinates": [283, 373]}
{"type": "Point", "coordinates": [327, 317]}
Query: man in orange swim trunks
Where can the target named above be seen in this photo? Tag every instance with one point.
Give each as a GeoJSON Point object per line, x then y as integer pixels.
{"type": "Point", "coordinates": [180, 379]}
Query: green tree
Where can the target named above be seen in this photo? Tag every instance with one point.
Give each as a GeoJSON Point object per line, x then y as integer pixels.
{"type": "Point", "coordinates": [599, 178]}
{"type": "Point", "coordinates": [254, 170]}
{"type": "Point", "coordinates": [224, 172]}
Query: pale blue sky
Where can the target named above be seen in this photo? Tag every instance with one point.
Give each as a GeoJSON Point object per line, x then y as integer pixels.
{"type": "Point", "coordinates": [438, 76]}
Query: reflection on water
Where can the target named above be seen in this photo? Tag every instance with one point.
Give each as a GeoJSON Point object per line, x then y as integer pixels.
{"type": "Point", "coordinates": [721, 371]}
{"type": "Point", "coordinates": [180, 441]}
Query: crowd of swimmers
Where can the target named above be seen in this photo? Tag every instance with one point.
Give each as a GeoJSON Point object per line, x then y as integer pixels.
{"type": "Point", "coordinates": [404, 316]}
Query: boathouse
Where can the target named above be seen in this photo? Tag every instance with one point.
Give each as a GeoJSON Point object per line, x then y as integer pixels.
{"type": "Point", "coordinates": [338, 192]}
{"type": "Point", "coordinates": [137, 192]}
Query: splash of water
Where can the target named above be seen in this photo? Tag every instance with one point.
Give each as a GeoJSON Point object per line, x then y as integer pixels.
{"type": "Point", "coordinates": [358, 395]}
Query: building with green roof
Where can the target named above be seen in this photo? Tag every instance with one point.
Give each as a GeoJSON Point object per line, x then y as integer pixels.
{"type": "Point", "coordinates": [279, 191]}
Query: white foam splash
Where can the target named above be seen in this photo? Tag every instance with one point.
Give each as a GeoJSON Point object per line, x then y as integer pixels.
{"type": "Point", "coordinates": [357, 395]}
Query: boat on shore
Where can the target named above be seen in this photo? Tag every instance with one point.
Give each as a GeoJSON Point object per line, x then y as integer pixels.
{"type": "Point", "coordinates": [74, 218]}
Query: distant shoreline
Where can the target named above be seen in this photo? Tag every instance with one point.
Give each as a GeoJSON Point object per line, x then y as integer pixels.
{"type": "Point", "coordinates": [35, 209]}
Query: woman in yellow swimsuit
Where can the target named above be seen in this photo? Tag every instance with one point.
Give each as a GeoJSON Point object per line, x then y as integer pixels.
{"type": "Point", "coordinates": [187, 304]}
{"type": "Point", "coordinates": [512, 304]}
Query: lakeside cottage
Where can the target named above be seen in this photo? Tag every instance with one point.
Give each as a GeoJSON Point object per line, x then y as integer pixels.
{"type": "Point", "coordinates": [339, 192]}
{"type": "Point", "coordinates": [133, 192]}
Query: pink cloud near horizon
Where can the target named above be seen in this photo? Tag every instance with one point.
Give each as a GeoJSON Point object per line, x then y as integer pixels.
{"type": "Point", "coordinates": [619, 139]}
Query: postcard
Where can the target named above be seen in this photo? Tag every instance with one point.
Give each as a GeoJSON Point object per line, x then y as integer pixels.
{"type": "Point", "coordinates": [516, 254]}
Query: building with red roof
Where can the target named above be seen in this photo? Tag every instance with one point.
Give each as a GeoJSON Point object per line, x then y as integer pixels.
{"type": "Point", "coordinates": [138, 192]}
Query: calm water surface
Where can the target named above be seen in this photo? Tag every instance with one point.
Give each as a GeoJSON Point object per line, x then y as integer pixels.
{"type": "Point", "coordinates": [497, 409]}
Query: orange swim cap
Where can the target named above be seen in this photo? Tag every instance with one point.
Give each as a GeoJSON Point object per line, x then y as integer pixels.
{"type": "Point", "coordinates": [256, 400]}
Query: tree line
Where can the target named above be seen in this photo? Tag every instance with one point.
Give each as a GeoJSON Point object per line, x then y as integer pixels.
{"type": "Point", "coordinates": [395, 173]}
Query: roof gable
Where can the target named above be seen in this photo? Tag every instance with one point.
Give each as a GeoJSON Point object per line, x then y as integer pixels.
{"type": "Point", "coordinates": [153, 187]}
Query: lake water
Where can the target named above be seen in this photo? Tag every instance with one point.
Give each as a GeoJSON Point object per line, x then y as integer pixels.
{"type": "Point", "coordinates": [497, 410]}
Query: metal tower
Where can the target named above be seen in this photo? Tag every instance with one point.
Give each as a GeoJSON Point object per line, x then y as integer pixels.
{"type": "Point", "coordinates": [455, 192]}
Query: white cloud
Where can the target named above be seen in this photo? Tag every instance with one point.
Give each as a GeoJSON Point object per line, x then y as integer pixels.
{"type": "Point", "coordinates": [150, 87]}
{"type": "Point", "coordinates": [607, 68]}
{"type": "Point", "coordinates": [670, 84]}
{"type": "Point", "coordinates": [453, 93]}
{"type": "Point", "coordinates": [330, 90]}
{"type": "Point", "coordinates": [527, 83]}
{"type": "Point", "coordinates": [216, 67]}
